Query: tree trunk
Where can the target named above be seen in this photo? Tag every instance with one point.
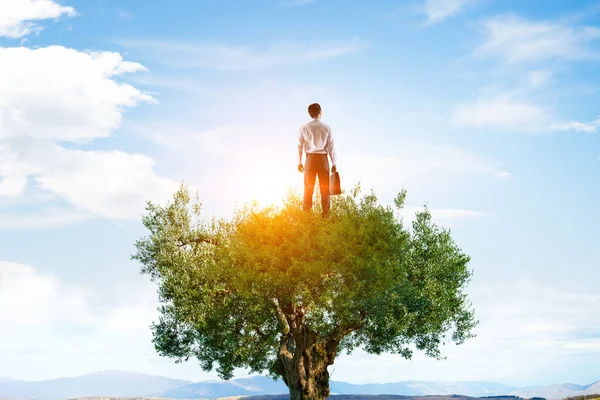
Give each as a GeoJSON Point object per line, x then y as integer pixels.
{"type": "Point", "coordinates": [309, 378]}
{"type": "Point", "coordinates": [304, 369]}
{"type": "Point", "coordinates": [303, 356]}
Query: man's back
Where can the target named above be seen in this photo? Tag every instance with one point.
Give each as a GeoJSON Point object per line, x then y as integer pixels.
{"type": "Point", "coordinates": [316, 133]}
{"type": "Point", "coordinates": [316, 138]}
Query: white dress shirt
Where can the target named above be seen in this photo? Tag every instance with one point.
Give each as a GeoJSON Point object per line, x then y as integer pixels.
{"type": "Point", "coordinates": [315, 137]}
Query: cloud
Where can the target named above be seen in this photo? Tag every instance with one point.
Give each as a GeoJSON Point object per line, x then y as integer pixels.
{"type": "Point", "coordinates": [451, 214]}
{"type": "Point", "coordinates": [550, 319]}
{"type": "Point", "coordinates": [516, 40]}
{"type": "Point", "coordinates": [29, 299]}
{"type": "Point", "coordinates": [124, 14]}
{"type": "Point", "coordinates": [231, 131]}
{"type": "Point", "coordinates": [442, 216]}
{"type": "Point", "coordinates": [503, 112]}
{"type": "Point", "coordinates": [110, 184]}
{"type": "Point", "coordinates": [500, 112]}
{"type": "Point", "coordinates": [47, 217]}
{"type": "Point", "coordinates": [237, 58]}
{"type": "Point", "coordinates": [50, 328]}
{"type": "Point", "coordinates": [588, 127]}
{"type": "Point", "coordinates": [251, 148]}
{"type": "Point", "coordinates": [526, 329]}
{"type": "Point", "coordinates": [17, 16]}
{"type": "Point", "coordinates": [297, 3]}
{"type": "Point", "coordinates": [417, 161]}
{"type": "Point", "coordinates": [439, 10]}
{"type": "Point", "coordinates": [63, 94]}
{"type": "Point", "coordinates": [41, 314]}
{"type": "Point", "coordinates": [54, 95]}
{"type": "Point", "coordinates": [538, 78]}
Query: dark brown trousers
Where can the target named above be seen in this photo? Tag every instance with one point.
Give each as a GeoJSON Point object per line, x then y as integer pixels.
{"type": "Point", "coordinates": [317, 165]}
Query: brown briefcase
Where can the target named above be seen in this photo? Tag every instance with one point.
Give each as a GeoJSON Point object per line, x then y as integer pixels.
{"type": "Point", "coordinates": [334, 184]}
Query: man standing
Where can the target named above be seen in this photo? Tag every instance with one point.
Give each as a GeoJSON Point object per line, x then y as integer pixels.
{"type": "Point", "coordinates": [316, 141]}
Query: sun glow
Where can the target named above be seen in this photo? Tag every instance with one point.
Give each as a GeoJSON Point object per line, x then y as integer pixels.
{"type": "Point", "coordinates": [269, 186]}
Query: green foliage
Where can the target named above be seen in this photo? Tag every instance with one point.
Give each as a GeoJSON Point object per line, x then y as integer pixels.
{"type": "Point", "coordinates": [358, 277]}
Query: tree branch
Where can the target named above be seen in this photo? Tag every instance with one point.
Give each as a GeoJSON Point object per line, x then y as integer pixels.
{"type": "Point", "coordinates": [338, 334]}
{"type": "Point", "coordinates": [200, 240]}
{"type": "Point", "coordinates": [259, 332]}
{"type": "Point", "coordinates": [284, 352]}
{"type": "Point", "coordinates": [282, 318]}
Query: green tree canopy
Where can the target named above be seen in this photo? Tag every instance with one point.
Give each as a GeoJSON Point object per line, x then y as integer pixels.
{"type": "Point", "coordinates": [285, 291]}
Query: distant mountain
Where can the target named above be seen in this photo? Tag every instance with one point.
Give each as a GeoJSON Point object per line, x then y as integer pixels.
{"type": "Point", "coordinates": [548, 392]}
{"type": "Point", "coordinates": [332, 397]}
{"type": "Point", "coordinates": [254, 386]}
{"type": "Point", "coordinates": [108, 383]}
{"type": "Point", "coordinates": [561, 391]}
{"type": "Point", "coordinates": [116, 384]}
{"type": "Point", "coordinates": [372, 397]}
{"type": "Point", "coordinates": [594, 388]}
{"type": "Point", "coordinates": [259, 385]}
{"type": "Point", "coordinates": [420, 388]}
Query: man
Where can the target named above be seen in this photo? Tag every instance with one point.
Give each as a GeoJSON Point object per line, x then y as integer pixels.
{"type": "Point", "coordinates": [316, 141]}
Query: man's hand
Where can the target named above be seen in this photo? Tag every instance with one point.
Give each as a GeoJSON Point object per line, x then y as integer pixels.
{"type": "Point", "coordinates": [300, 168]}
{"type": "Point", "coordinates": [333, 169]}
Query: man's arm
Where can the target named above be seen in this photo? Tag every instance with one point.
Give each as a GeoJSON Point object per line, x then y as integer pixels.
{"type": "Point", "coordinates": [331, 151]}
{"type": "Point", "coordinates": [300, 149]}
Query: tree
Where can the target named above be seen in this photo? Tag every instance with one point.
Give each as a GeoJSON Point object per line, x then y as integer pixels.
{"type": "Point", "coordinates": [285, 291]}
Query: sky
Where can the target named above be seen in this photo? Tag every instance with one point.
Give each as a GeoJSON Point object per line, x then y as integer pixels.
{"type": "Point", "coordinates": [486, 111]}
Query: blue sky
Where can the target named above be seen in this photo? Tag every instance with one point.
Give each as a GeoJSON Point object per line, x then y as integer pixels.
{"type": "Point", "coordinates": [485, 110]}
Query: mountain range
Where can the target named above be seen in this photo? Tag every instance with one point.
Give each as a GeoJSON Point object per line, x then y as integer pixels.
{"type": "Point", "coordinates": [131, 384]}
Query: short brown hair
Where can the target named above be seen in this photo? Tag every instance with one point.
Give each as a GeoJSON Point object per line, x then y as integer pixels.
{"type": "Point", "coordinates": [314, 110]}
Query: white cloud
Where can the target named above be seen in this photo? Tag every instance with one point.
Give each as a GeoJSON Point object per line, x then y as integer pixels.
{"type": "Point", "coordinates": [525, 329]}
{"type": "Point", "coordinates": [62, 94]}
{"type": "Point", "coordinates": [517, 40]}
{"type": "Point", "coordinates": [588, 127]}
{"type": "Point", "coordinates": [242, 57]}
{"type": "Point", "coordinates": [251, 148]}
{"type": "Point", "coordinates": [415, 161]}
{"type": "Point", "coordinates": [439, 10]}
{"type": "Point", "coordinates": [549, 318]}
{"type": "Point", "coordinates": [29, 299]}
{"type": "Point", "coordinates": [40, 314]}
{"type": "Point", "coordinates": [446, 217]}
{"type": "Point", "coordinates": [297, 3]}
{"type": "Point", "coordinates": [17, 17]}
{"type": "Point", "coordinates": [50, 328]}
{"type": "Point", "coordinates": [218, 140]}
{"type": "Point", "coordinates": [111, 184]}
{"type": "Point", "coordinates": [55, 94]}
{"type": "Point", "coordinates": [538, 78]}
{"type": "Point", "coordinates": [451, 214]}
{"type": "Point", "coordinates": [533, 327]}
{"type": "Point", "coordinates": [232, 132]}
{"type": "Point", "coordinates": [501, 112]}
{"type": "Point", "coordinates": [47, 217]}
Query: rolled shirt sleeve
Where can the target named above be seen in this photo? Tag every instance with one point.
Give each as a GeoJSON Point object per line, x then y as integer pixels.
{"type": "Point", "coordinates": [300, 146]}
{"type": "Point", "coordinates": [331, 149]}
